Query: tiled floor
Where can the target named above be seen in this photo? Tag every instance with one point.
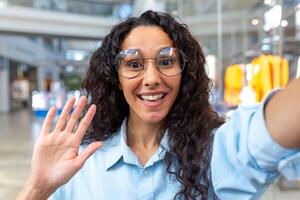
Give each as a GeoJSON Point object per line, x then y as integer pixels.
{"type": "Point", "coordinates": [18, 131]}
{"type": "Point", "coordinates": [15, 152]}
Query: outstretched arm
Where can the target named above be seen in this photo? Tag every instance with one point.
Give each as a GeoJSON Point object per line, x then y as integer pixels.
{"type": "Point", "coordinates": [282, 115]}
{"type": "Point", "coordinates": [55, 157]}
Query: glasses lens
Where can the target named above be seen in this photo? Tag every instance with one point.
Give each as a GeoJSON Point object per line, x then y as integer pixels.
{"type": "Point", "coordinates": [130, 63]}
{"type": "Point", "coordinates": [168, 62]}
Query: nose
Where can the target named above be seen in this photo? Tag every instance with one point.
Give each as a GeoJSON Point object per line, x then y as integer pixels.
{"type": "Point", "coordinates": [151, 76]}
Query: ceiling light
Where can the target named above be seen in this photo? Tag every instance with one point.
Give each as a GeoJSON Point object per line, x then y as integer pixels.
{"type": "Point", "coordinates": [255, 22]}
{"type": "Point", "coordinates": [284, 23]}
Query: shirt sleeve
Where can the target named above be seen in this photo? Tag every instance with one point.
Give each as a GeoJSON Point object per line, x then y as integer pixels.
{"type": "Point", "coordinates": [56, 195]}
{"type": "Point", "coordinates": [246, 159]}
{"type": "Point", "coordinates": [64, 192]}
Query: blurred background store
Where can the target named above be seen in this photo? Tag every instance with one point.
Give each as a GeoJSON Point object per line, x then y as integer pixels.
{"type": "Point", "coordinates": [251, 48]}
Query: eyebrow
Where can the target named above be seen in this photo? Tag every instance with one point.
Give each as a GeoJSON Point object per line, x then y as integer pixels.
{"type": "Point", "coordinates": [124, 50]}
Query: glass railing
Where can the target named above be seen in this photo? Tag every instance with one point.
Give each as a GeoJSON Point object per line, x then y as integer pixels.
{"type": "Point", "coordinates": [115, 8]}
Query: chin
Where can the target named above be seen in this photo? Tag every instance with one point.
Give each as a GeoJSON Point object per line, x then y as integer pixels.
{"type": "Point", "coordinates": [154, 118]}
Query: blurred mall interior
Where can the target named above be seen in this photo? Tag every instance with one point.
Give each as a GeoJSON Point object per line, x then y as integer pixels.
{"type": "Point", "coordinates": [45, 47]}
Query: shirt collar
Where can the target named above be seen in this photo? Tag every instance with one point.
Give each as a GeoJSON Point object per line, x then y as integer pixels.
{"type": "Point", "coordinates": [113, 147]}
{"type": "Point", "coordinates": [116, 148]}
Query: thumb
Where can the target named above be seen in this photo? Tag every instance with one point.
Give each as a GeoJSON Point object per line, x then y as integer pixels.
{"type": "Point", "coordinates": [84, 155]}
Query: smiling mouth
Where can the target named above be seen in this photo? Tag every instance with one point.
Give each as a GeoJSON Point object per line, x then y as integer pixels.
{"type": "Point", "coordinates": [152, 98]}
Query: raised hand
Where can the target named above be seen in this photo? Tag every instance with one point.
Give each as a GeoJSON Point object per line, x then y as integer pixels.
{"type": "Point", "coordinates": [55, 157]}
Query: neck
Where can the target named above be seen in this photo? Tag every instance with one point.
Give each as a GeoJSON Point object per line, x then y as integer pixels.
{"type": "Point", "coordinates": [142, 135]}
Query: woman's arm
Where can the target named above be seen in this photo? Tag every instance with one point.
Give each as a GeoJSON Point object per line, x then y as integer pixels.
{"type": "Point", "coordinates": [246, 159]}
{"type": "Point", "coordinates": [282, 115]}
{"type": "Point", "coordinates": [55, 157]}
{"type": "Point", "coordinates": [33, 191]}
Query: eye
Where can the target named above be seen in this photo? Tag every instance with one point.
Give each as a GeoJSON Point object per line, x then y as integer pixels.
{"type": "Point", "coordinates": [166, 62]}
{"type": "Point", "coordinates": [134, 64]}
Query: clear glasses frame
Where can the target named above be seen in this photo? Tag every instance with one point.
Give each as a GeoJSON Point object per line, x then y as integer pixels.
{"type": "Point", "coordinates": [169, 61]}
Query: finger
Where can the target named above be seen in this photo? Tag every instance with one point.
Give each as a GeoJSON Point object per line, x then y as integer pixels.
{"type": "Point", "coordinates": [48, 120]}
{"type": "Point", "coordinates": [83, 156]}
{"type": "Point", "coordinates": [63, 118]}
{"type": "Point", "coordinates": [63, 127]}
{"type": "Point", "coordinates": [85, 122]}
{"type": "Point", "coordinates": [76, 114]}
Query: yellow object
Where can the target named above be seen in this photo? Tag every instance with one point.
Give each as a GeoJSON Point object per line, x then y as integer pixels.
{"type": "Point", "coordinates": [233, 84]}
{"type": "Point", "coordinates": [268, 72]}
{"type": "Point", "coordinates": [273, 72]}
{"type": "Point", "coordinates": [285, 72]}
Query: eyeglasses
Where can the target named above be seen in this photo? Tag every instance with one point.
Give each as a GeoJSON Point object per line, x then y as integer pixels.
{"type": "Point", "coordinates": [130, 63]}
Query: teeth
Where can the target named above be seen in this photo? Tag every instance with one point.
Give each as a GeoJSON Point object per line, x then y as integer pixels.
{"type": "Point", "coordinates": [152, 97]}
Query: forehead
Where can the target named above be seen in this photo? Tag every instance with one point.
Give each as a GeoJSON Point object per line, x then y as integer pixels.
{"type": "Point", "coordinates": [149, 39]}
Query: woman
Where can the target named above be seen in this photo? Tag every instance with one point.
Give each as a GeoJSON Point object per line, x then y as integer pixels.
{"type": "Point", "coordinates": [153, 117]}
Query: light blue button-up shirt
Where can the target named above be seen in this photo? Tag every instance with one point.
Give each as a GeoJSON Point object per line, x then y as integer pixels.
{"type": "Point", "coordinates": [245, 161]}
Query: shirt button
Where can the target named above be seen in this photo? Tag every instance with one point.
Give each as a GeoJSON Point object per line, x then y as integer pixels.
{"type": "Point", "coordinates": [146, 173]}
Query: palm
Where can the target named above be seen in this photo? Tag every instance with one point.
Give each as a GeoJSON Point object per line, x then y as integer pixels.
{"type": "Point", "coordinates": [55, 157]}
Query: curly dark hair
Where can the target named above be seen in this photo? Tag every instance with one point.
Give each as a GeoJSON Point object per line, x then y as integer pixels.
{"type": "Point", "coordinates": [190, 121]}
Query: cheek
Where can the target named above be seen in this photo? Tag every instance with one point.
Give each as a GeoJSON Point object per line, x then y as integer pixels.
{"type": "Point", "coordinates": [176, 84]}
{"type": "Point", "coordinates": [127, 88]}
